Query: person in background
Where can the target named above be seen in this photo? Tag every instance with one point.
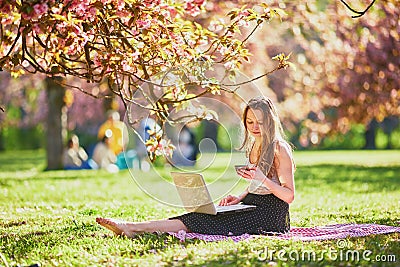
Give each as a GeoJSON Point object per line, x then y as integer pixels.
{"type": "Point", "coordinates": [187, 151]}
{"type": "Point", "coordinates": [75, 156]}
{"type": "Point", "coordinates": [103, 155]}
{"type": "Point", "coordinates": [146, 126]}
{"type": "Point", "coordinates": [119, 138]}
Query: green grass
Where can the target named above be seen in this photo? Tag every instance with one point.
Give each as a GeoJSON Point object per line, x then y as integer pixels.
{"type": "Point", "coordinates": [49, 217]}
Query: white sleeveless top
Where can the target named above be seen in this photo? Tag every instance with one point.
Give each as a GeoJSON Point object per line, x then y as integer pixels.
{"type": "Point", "coordinates": [258, 187]}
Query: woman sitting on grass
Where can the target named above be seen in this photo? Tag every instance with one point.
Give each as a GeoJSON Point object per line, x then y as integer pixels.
{"type": "Point", "coordinates": [270, 172]}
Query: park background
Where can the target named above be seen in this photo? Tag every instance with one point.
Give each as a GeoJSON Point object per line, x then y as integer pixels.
{"type": "Point", "coordinates": [343, 96]}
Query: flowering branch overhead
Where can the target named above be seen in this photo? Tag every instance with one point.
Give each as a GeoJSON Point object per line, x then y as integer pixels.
{"type": "Point", "coordinates": [127, 43]}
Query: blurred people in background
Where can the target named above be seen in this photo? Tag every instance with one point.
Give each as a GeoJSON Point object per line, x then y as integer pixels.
{"type": "Point", "coordinates": [186, 151]}
{"type": "Point", "coordinates": [119, 138]}
{"type": "Point", "coordinates": [147, 125]}
{"type": "Point", "coordinates": [103, 155]}
{"type": "Point", "coordinates": [75, 156]}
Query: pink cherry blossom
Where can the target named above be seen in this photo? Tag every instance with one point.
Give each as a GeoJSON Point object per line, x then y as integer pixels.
{"type": "Point", "coordinates": [193, 7]}
{"type": "Point", "coordinates": [229, 65]}
{"type": "Point", "coordinates": [36, 13]}
{"type": "Point", "coordinates": [159, 148]}
{"type": "Point", "coordinates": [124, 15]}
{"type": "Point", "coordinates": [62, 27]}
{"type": "Point", "coordinates": [97, 60]}
{"type": "Point", "coordinates": [120, 4]}
{"type": "Point", "coordinates": [40, 9]}
{"type": "Point", "coordinates": [5, 8]}
{"type": "Point", "coordinates": [151, 3]}
{"type": "Point", "coordinates": [36, 29]}
{"type": "Point", "coordinates": [216, 26]}
{"type": "Point", "coordinates": [125, 66]}
{"type": "Point", "coordinates": [168, 11]}
{"type": "Point", "coordinates": [6, 21]}
{"type": "Point", "coordinates": [240, 19]}
{"type": "Point", "coordinates": [143, 24]}
{"type": "Point", "coordinates": [135, 55]}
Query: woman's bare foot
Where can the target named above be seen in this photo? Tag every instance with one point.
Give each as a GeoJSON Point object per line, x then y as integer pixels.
{"type": "Point", "coordinates": [118, 227]}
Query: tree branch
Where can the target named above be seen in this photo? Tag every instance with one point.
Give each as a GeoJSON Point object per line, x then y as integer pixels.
{"type": "Point", "coordinates": [280, 66]}
{"type": "Point", "coordinates": [359, 13]}
{"type": "Point", "coordinates": [79, 88]}
{"type": "Point", "coordinates": [15, 41]}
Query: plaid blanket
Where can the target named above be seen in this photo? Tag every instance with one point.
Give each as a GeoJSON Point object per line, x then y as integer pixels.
{"type": "Point", "coordinates": [335, 231]}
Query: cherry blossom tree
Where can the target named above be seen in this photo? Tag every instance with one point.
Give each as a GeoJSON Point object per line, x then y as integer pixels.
{"type": "Point", "coordinates": [352, 64]}
{"type": "Point", "coordinates": [347, 69]}
{"type": "Point", "coordinates": [126, 43]}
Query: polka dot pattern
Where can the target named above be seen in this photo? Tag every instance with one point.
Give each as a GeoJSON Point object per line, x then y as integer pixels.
{"type": "Point", "coordinates": [270, 216]}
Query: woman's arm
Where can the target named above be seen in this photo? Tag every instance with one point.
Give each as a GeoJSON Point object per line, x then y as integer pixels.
{"type": "Point", "coordinates": [285, 172]}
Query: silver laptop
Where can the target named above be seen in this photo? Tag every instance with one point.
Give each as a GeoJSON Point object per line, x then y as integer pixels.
{"type": "Point", "coordinates": [196, 198]}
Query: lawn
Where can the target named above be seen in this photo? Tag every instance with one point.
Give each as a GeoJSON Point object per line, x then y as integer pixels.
{"type": "Point", "coordinates": [48, 218]}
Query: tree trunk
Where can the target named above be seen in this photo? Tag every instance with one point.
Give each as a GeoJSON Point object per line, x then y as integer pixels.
{"type": "Point", "coordinates": [56, 120]}
{"type": "Point", "coordinates": [107, 104]}
{"type": "Point", "coordinates": [1, 140]}
{"type": "Point", "coordinates": [370, 134]}
{"type": "Point", "coordinates": [109, 101]}
{"type": "Point", "coordinates": [390, 124]}
{"type": "Point", "coordinates": [211, 131]}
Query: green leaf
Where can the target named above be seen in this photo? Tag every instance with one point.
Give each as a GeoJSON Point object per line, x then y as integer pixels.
{"type": "Point", "coordinates": [280, 12]}
{"type": "Point", "coordinates": [233, 13]}
{"type": "Point", "coordinates": [59, 17]}
{"type": "Point", "coordinates": [181, 105]}
{"type": "Point", "coordinates": [279, 57]}
{"type": "Point", "coordinates": [164, 41]}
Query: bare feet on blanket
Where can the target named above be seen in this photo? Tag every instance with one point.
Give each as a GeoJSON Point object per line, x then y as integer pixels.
{"type": "Point", "coordinates": [118, 227]}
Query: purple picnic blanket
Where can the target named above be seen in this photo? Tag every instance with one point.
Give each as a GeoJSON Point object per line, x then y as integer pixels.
{"type": "Point", "coordinates": [335, 231]}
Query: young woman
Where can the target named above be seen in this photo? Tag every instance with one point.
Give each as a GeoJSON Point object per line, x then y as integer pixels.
{"type": "Point", "coordinates": [270, 172]}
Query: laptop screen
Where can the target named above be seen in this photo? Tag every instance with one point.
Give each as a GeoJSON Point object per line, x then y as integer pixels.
{"type": "Point", "coordinates": [192, 189]}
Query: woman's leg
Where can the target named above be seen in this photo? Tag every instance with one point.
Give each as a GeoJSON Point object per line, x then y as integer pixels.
{"type": "Point", "coordinates": [131, 228]}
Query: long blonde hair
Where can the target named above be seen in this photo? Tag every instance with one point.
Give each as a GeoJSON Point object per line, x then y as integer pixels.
{"type": "Point", "coordinates": [272, 132]}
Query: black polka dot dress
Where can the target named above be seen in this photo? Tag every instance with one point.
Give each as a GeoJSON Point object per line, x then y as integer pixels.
{"type": "Point", "coordinates": [270, 216]}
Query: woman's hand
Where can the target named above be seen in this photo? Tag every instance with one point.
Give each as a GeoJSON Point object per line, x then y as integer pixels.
{"type": "Point", "coordinates": [255, 174]}
{"type": "Point", "coordinates": [252, 173]}
{"type": "Point", "coordinates": [229, 200]}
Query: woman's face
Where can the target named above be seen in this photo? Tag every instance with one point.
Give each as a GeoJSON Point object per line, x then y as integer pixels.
{"type": "Point", "coordinates": [254, 122]}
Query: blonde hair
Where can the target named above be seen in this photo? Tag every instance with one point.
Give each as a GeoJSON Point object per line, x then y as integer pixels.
{"type": "Point", "coordinates": [272, 132]}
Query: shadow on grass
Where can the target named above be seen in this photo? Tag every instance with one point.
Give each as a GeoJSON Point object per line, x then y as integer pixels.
{"type": "Point", "coordinates": [312, 253]}
{"type": "Point", "coordinates": [357, 179]}
{"type": "Point", "coordinates": [21, 161]}
{"type": "Point", "coordinates": [384, 221]}
{"type": "Point", "coordinates": [17, 246]}
{"type": "Point", "coordinates": [61, 175]}
{"type": "Point", "coordinates": [154, 243]}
